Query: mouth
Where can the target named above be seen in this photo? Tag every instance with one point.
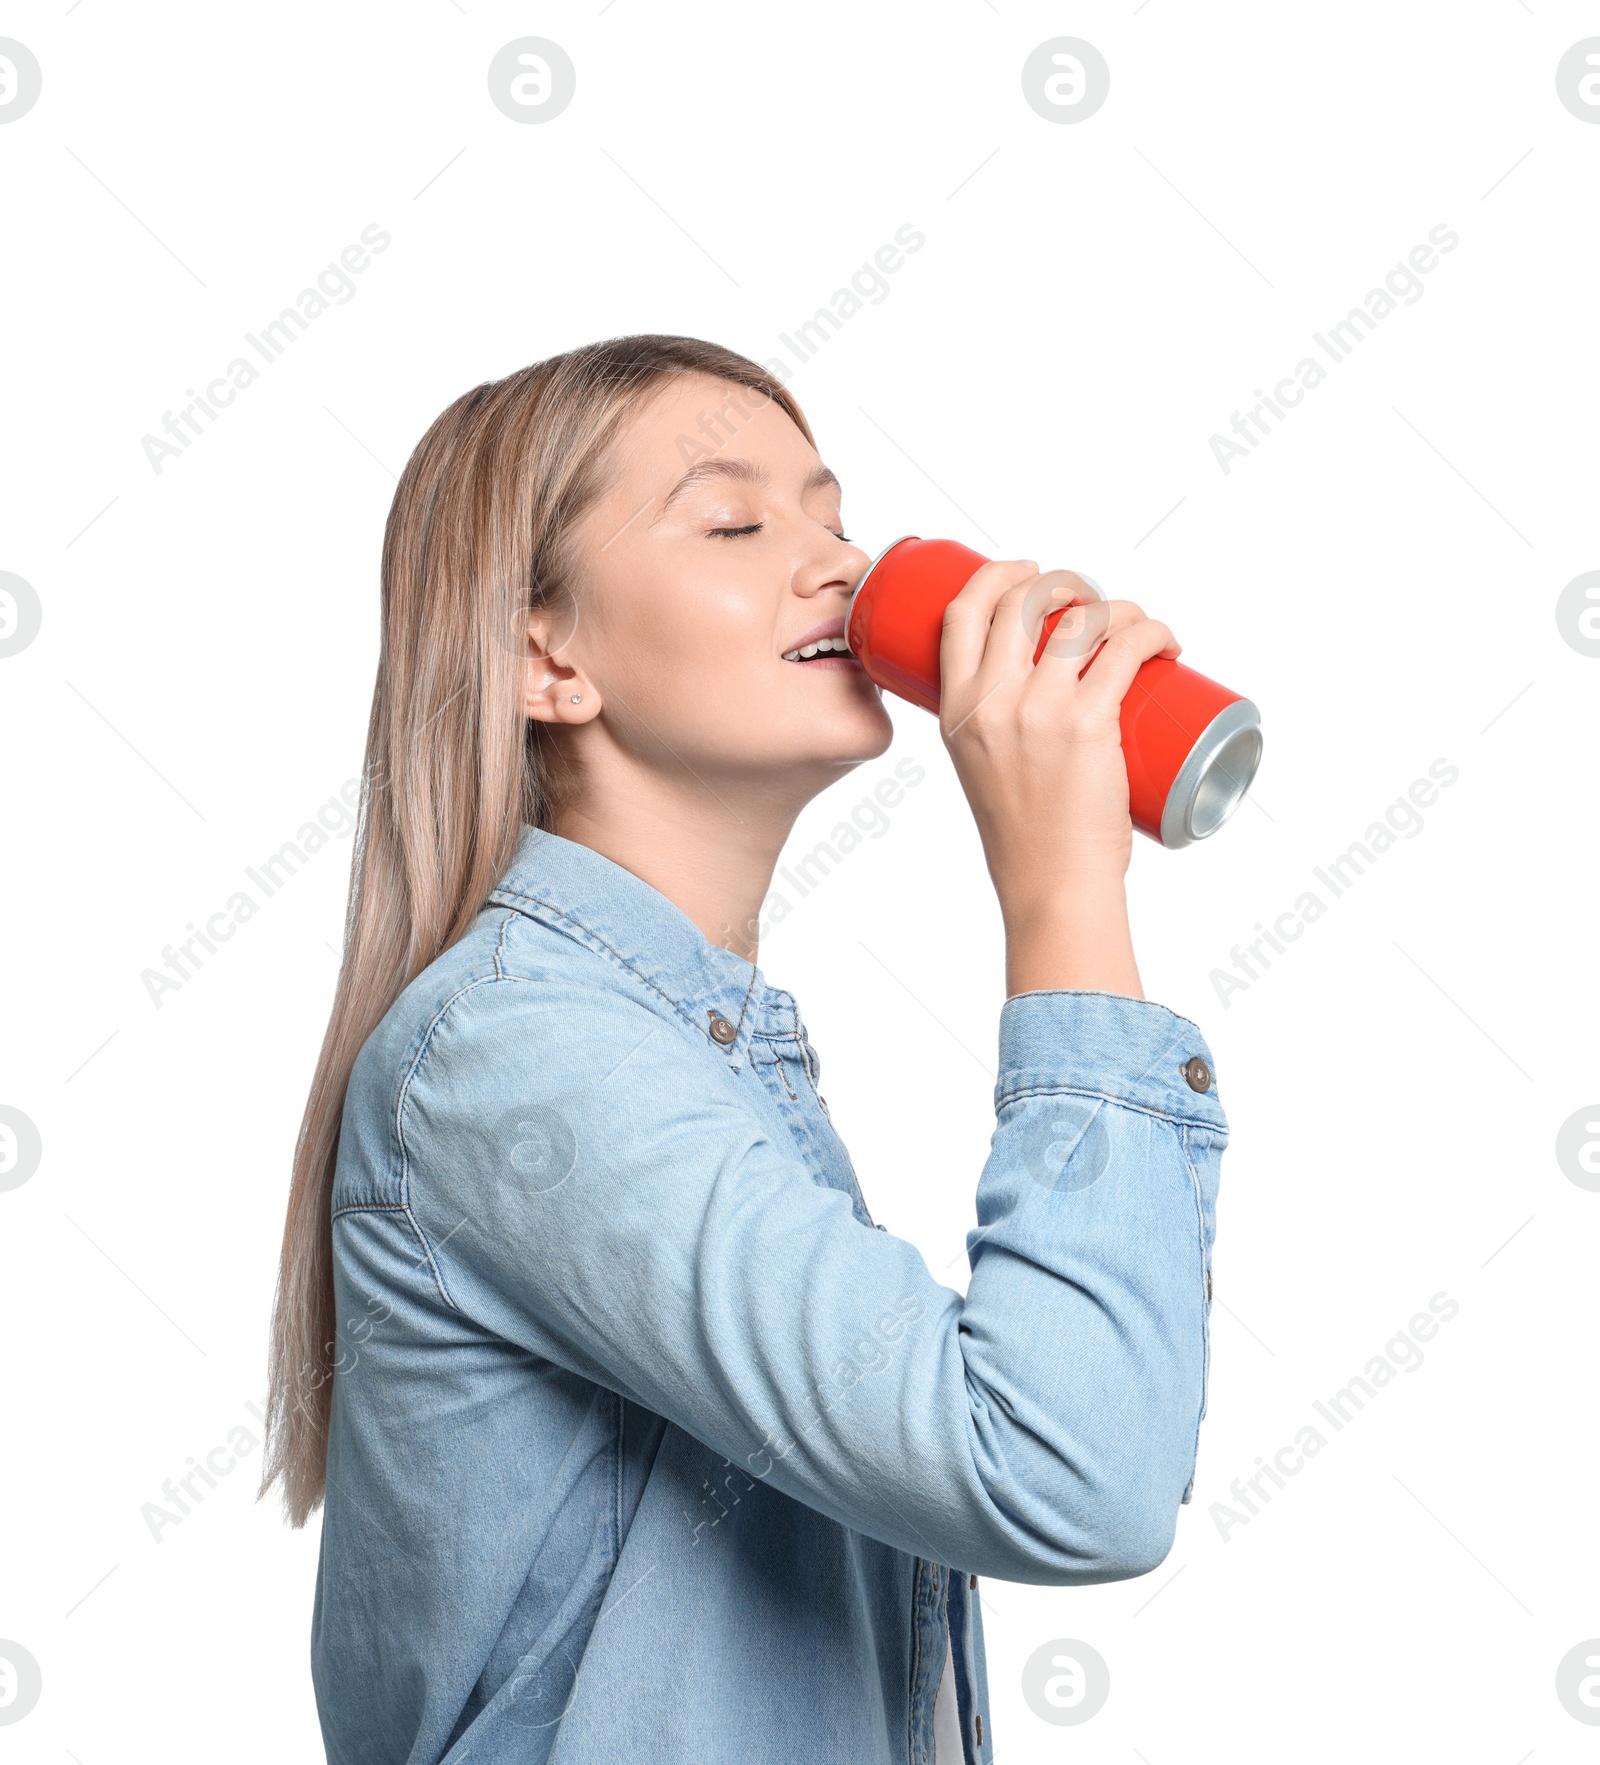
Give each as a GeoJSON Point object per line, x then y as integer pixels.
{"type": "Point", "coordinates": [824, 648]}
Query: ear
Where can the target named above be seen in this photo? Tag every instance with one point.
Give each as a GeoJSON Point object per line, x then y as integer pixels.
{"type": "Point", "coordinates": [555, 691]}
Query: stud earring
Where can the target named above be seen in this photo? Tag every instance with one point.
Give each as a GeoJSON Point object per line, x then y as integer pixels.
{"type": "Point", "coordinates": [577, 698]}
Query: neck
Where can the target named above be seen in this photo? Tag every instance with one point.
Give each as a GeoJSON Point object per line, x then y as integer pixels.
{"type": "Point", "coordinates": [710, 848]}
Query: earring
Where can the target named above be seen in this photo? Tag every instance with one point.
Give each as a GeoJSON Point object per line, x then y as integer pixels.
{"type": "Point", "coordinates": [577, 698]}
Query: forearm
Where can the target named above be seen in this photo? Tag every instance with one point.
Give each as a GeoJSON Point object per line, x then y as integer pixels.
{"type": "Point", "coordinates": [1076, 939]}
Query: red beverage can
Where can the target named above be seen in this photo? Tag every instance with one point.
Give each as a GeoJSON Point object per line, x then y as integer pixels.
{"type": "Point", "coordinates": [1192, 747]}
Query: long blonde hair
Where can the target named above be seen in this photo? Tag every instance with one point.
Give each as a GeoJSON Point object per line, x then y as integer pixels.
{"type": "Point", "coordinates": [480, 531]}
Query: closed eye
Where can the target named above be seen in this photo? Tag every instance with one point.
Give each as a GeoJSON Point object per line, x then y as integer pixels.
{"type": "Point", "coordinates": [755, 527]}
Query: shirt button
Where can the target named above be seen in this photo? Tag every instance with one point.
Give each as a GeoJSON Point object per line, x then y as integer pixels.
{"type": "Point", "coordinates": [721, 1030]}
{"type": "Point", "coordinates": [1194, 1070]}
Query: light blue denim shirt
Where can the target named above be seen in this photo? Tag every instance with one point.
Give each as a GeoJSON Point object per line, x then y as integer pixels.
{"type": "Point", "coordinates": [646, 1445]}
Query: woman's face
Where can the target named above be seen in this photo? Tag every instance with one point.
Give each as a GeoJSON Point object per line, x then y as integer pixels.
{"type": "Point", "coordinates": [716, 557]}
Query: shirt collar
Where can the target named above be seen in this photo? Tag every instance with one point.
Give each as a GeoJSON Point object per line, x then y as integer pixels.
{"type": "Point", "coordinates": [575, 890]}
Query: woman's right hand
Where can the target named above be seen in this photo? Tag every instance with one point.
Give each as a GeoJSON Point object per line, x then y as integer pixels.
{"type": "Point", "coordinates": [1039, 755]}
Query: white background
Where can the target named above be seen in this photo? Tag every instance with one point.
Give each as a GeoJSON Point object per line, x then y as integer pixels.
{"type": "Point", "coordinates": [1092, 303]}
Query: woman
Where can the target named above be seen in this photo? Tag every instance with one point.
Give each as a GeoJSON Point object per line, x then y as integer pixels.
{"type": "Point", "coordinates": [637, 1441]}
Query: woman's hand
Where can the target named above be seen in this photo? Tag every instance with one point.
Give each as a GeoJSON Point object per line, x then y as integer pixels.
{"type": "Point", "coordinates": [1039, 755]}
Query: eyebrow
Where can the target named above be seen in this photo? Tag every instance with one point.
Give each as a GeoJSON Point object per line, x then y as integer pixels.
{"type": "Point", "coordinates": [740, 472]}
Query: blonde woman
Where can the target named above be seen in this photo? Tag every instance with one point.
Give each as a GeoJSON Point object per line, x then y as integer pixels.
{"type": "Point", "coordinates": [635, 1439]}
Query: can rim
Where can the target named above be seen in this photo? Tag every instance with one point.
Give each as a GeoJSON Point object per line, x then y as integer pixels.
{"type": "Point", "coordinates": [850, 608]}
{"type": "Point", "coordinates": [1232, 720]}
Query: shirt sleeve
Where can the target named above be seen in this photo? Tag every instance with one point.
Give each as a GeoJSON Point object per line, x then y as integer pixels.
{"type": "Point", "coordinates": [592, 1186]}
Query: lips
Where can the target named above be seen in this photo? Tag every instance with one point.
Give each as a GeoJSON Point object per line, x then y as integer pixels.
{"type": "Point", "coordinates": [823, 643]}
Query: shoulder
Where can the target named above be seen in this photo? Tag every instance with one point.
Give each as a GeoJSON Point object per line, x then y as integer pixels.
{"type": "Point", "coordinates": [513, 1014]}
{"type": "Point", "coordinates": [509, 990]}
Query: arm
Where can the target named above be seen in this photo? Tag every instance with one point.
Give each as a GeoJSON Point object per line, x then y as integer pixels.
{"type": "Point", "coordinates": [632, 1221]}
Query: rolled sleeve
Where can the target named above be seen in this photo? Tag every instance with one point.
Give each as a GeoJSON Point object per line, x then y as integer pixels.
{"type": "Point", "coordinates": [1096, 1088]}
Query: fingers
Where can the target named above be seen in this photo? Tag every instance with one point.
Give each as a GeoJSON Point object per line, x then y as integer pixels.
{"type": "Point", "coordinates": [1124, 653]}
{"type": "Point", "coordinates": [1077, 635]}
{"type": "Point", "coordinates": [1019, 613]}
{"type": "Point", "coordinates": [991, 631]}
{"type": "Point", "coordinates": [968, 617]}
{"type": "Point", "coordinates": [1080, 631]}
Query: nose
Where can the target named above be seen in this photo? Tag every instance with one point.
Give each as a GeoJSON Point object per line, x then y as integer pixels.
{"type": "Point", "coordinates": [838, 566]}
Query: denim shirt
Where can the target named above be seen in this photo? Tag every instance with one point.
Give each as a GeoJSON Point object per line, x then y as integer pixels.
{"type": "Point", "coordinates": [646, 1444]}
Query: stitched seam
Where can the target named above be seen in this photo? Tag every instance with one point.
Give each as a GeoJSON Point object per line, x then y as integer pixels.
{"type": "Point", "coordinates": [615, 955]}
{"type": "Point", "coordinates": [860, 1197]}
{"type": "Point", "coordinates": [849, 1162]}
{"type": "Point", "coordinates": [401, 1207]}
{"type": "Point", "coordinates": [616, 1510]}
{"type": "Point", "coordinates": [1205, 1308]}
{"type": "Point", "coordinates": [745, 1004]}
{"type": "Point", "coordinates": [1097, 993]}
{"type": "Point", "coordinates": [943, 1610]}
{"type": "Point", "coordinates": [500, 942]}
{"type": "Point", "coordinates": [912, 1749]}
{"type": "Point", "coordinates": [403, 1095]}
{"type": "Point", "coordinates": [806, 1067]}
{"type": "Point", "coordinates": [427, 1251]}
{"type": "Point", "coordinates": [1186, 1121]}
{"type": "Point", "coordinates": [402, 1098]}
{"type": "Point", "coordinates": [531, 980]}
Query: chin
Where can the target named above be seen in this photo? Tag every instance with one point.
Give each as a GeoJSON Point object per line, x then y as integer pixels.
{"type": "Point", "coordinates": [817, 749]}
{"type": "Point", "coordinates": [881, 735]}
{"type": "Point", "coordinates": [863, 733]}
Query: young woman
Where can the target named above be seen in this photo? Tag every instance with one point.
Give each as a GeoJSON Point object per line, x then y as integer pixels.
{"type": "Point", "coordinates": [637, 1441]}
